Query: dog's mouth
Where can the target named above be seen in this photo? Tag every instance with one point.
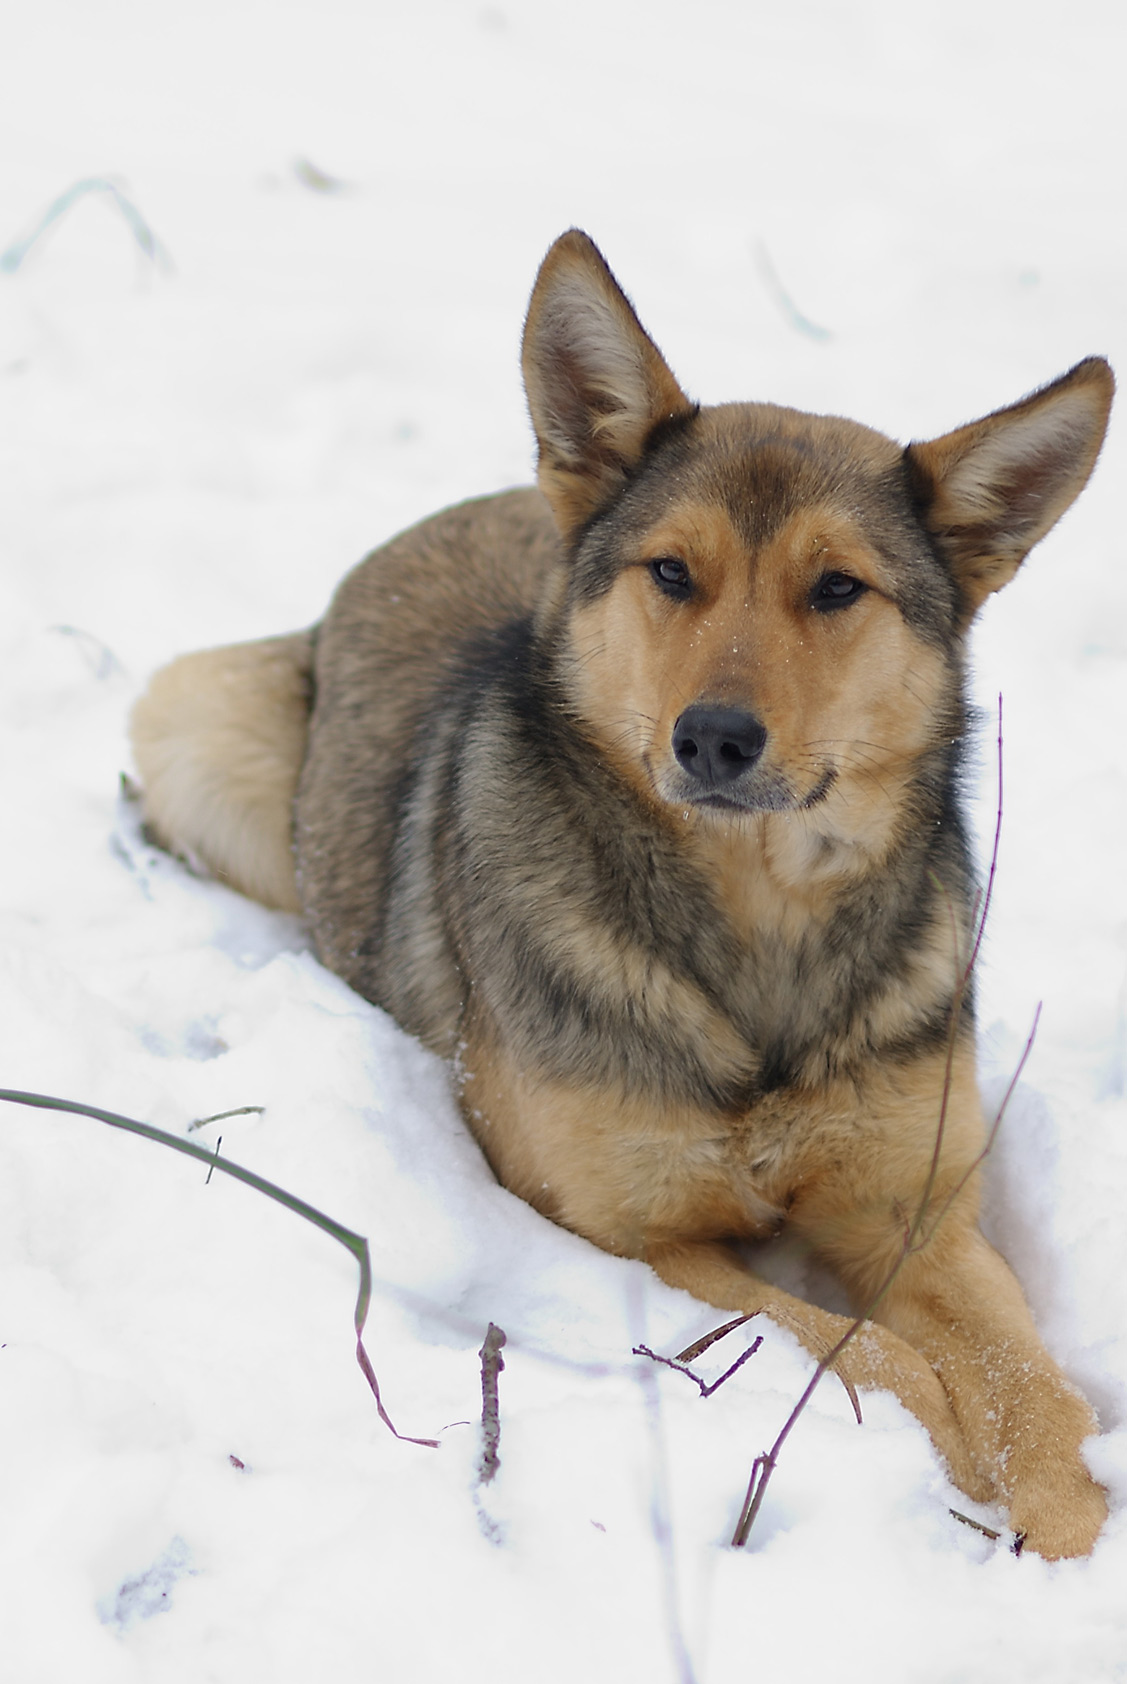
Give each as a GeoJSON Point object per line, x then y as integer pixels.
{"type": "Point", "coordinates": [760, 790]}
{"type": "Point", "coordinates": [821, 789]}
{"type": "Point", "coordinates": [720, 761]}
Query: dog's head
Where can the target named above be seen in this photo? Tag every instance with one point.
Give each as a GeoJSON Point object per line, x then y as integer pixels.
{"type": "Point", "coordinates": [765, 609]}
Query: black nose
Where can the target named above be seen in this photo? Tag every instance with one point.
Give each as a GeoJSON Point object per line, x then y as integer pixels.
{"type": "Point", "coordinates": [716, 744]}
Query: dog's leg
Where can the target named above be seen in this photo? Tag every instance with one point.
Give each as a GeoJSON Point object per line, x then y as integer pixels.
{"type": "Point", "coordinates": [953, 1299]}
{"type": "Point", "coordinates": [631, 1181]}
{"type": "Point", "coordinates": [958, 1304]}
{"type": "Point", "coordinates": [875, 1358]}
{"type": "Point", "coordinates": [219, 738]}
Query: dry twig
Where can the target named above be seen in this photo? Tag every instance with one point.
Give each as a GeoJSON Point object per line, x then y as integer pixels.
{"type": "Point", "coordinates": [706, 1390]}
{"type": "Point", "coordinates": [492, 1364]}
{"type": "Point", "coordinates": [915, 1237]}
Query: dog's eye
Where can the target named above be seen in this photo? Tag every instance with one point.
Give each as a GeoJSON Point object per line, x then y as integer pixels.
{"type": "Point", "coordinates": [836, 590]}
{"type": "Point", "coordinates": [672, 576]}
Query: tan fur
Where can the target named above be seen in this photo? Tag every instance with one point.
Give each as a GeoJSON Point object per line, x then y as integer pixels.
{"type": "Point", "coordinates": [865, 713]}
{"type": "Point", "coordinates": [218, 739]}
{"type": "Point", "coordinates": [491, 777]}
{"type": "Point", "coordinates": [847, 1176]}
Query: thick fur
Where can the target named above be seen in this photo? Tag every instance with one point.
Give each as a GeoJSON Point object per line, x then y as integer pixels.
{"type": "Point", "coordinates": [636, 798]}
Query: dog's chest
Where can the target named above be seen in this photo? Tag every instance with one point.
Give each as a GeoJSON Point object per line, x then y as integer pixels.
{"type": "Point", "coordinates": [648, 1175]}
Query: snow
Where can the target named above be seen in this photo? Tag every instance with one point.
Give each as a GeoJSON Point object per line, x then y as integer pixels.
{"type": "Point", "coordinates": [194, 450]}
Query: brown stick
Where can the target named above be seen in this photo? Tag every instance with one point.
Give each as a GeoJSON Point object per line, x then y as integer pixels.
{"type": "Point", "coordinates": [492, 1364]}
{"type": "Point", "coordinates": [706, 1390]}
{"type": "Point", "coordinates": [914, 1237]}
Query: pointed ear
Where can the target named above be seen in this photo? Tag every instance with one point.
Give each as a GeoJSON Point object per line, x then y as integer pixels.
{"type": "Point", "coordinates": [991, 490]}
{"type": "Point", "coordinates": [597, 385]}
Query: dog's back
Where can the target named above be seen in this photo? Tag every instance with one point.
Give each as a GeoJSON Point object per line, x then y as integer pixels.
{"type": "Point", "coordinates": [404, 656]}
{"type": "Point", "coordinates": [220, 736]}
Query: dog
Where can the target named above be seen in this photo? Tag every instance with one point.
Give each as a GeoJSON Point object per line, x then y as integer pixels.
{"type": "Point", "coordinates": [635, 796]}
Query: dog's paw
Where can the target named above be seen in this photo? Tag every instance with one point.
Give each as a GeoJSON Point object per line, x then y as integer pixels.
{"type": "Point", "coordinates": [1059, 1515]}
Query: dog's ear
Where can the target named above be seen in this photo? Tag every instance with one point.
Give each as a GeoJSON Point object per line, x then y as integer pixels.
{"type": "Point", "coordinates": [991, 490]}
{"type": "Point", "coordinates": [597, 384]}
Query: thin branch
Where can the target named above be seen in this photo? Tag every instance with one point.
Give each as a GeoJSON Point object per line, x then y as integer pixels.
{"type": "Point", "coordinates": [221, 1116]}
{"type": "Point", "coordinates": [492, 1365]}
{"type": "Point", "coordinates": [991, 1137]}
{"type": "Point", "coordinates": [218, 1144]}
{"type": "Point", "coordinates": [764, 1465]}
{"type": "Point", "coordinates": [706, 1390]}
{"type": "Point", "coordinates": [987, 1531]}
{"type": "Point", "coordinates": [914, 1239]}
{"type": "Point", "coordinates": [355, 1243]}
{"type": "Point", "coordinates": [993, 855]}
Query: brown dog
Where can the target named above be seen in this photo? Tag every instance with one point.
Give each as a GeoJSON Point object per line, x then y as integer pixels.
{"type": "Point", "coordinates": [635, 796]}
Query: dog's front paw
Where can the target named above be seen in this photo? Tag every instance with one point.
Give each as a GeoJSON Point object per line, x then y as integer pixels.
{"type": "Point", "coordinates": [1059, 1515]}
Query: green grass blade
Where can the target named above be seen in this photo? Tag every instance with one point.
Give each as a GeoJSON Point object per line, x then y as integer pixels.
{"type": "Point", "coordinates": [355, 1243]}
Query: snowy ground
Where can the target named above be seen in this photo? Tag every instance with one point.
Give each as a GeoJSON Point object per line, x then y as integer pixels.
{"type": "Point", "coordinates": [195, 1483]}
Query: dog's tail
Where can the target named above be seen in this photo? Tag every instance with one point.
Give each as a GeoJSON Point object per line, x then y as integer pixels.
{"type": "Point", "coordinates": [219, 740]}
